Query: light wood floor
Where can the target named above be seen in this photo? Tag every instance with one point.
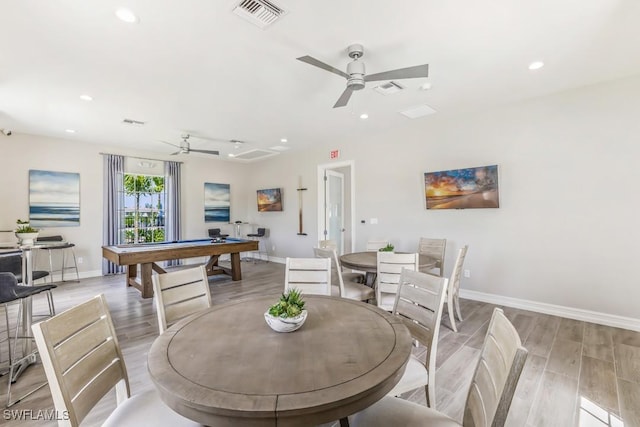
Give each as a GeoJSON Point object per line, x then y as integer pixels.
{"type": "Point", "coordinates": [577, 373]}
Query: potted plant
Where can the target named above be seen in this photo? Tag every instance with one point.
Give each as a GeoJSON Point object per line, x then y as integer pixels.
{"type": "Point", "coordinates": [288, 314]}
{"type": "Point", "coordinates": [388, 248]}
{"type": "Point", "coordinates": [25, 233]}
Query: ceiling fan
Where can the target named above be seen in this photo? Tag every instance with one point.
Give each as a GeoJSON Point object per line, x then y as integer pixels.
{"type": "Point", "coordinates": [356, 76]}
{"type": "Point", "coordinates": [186, 149]}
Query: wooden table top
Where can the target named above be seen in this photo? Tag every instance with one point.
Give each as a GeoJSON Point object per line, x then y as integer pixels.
{"type": "Point", "coordinates": [367, 261]}
{"type": "Point", "coordinates": [225, 366]}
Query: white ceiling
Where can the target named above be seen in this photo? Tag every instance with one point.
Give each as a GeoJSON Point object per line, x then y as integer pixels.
{"type": "Point", "coordinates": [192, 66]}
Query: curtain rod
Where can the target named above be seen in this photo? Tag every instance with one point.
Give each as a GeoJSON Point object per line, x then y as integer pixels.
{"type": "Point", "coordinates": [139, 158]}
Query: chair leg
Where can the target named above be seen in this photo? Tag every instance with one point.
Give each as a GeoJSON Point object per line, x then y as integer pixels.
{"type": "Point", "coordinates": [456, 301]}
{"type": "Point", "coordinates": [450, 309]}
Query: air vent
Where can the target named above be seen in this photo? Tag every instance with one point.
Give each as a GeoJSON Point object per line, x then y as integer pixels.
{"type": "Point", "coordinates": [133, 122]}
{"type": "Point", "coordinates": [388, 88]}
{"type": "Point", "coordinates": [256, 154]}
{"type": "Point", "coordinates": [418, 111]}
{"type": "Point", "coordinates": [261, 13]}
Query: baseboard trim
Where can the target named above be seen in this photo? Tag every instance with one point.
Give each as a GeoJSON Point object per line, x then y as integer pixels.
{"type": "Point", "coordinates": [556, 310]}
{"type": "Point", "coordinates": [277, 260]}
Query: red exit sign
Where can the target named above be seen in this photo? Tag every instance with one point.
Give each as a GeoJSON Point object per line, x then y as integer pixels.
{"type": "Point", "coordinates": [335, 154]}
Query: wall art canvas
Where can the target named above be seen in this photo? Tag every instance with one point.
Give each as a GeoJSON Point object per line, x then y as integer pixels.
{"type": "Point", "coordinates": [54, 199]}
{"type": "Point", "coordinates": [462, 188]}
{"type": "Point", "coordinates": [217, 202]}
{"type": "Point", "coordinates": [269, 200]}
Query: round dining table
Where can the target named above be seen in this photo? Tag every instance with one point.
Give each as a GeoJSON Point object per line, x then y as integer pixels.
{"type": "Point", "coordinates": [226, 367]}
{"type": "Point", "coordinates": [368, 262]}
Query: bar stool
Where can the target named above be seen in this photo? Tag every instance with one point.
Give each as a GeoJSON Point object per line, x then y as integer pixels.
{"type": "Point", "coordinates": [11, 292]}
{"type": "Point", "coordinates": [259, 235]}
{"type": "Point", "coordinates": [61, 247]}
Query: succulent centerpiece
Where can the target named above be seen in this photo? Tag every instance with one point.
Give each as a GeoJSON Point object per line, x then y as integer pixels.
{"type": "Point", "coordinates": [288, 314]}
{"type": "Point", "coordinates": [25, 233]}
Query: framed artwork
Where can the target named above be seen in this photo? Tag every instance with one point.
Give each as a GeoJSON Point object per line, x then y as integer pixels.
{"type": "Point", "coordinates": [270, 200]}
{"type": "Point", "coordinates": [462, 188]}
{"type": "Point", "coordinates": [217, 202]}
{"type": "Point", "coordinates": [54, 199]}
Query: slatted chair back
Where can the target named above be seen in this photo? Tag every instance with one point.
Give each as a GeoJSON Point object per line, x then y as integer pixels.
{"type": "Point", "coordinates": [81, 358]}
{"type": "Point", "coordinates": [389, 267]}
{"type": "Point", "coordinates": [336, 270]}
{"type": "Point", "coordinates": [179, 294]}
{"type": "Point", "coordinates": [494, 382]}
{"type": "Point", "coordinates": [434, 248]}
{"type": "Point", "coordinates": [376, 244]}
{"type": "Point", "coordinates": [419, 304]}
{"type": "Point", "coordinates": [312, 276]}
{"type": "Point", "coordinates": [328, 244]}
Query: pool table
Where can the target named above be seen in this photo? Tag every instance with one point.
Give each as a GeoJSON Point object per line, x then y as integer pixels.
{"type": "Point", "coordinates": [147, 254]}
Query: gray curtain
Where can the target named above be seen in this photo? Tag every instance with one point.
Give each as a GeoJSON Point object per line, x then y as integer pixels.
{"type": "Point", "coordinates": [172, 208]}
{"type": "Point", "coordinates": [113, 197]}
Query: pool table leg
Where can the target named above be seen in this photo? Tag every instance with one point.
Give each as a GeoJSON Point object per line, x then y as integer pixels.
{"type": "Point", "coordinates": [236, 273]}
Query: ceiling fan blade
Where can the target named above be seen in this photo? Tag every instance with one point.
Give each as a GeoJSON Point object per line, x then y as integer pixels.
{"type": "Point", "coordinates": [177, 152]}
{"type": "Point", "coordinates": [313, 61]}
{"type": "Point", "coordinates": [401, 73]}
{"type": "Point", "coordinates": [215, 153]}
{"type": "Point", "coordinates": [206, 138]}
{"type": "Point", "coordinates": [173, 145]}
{"type": "Point", "coordinates": [344, 98]}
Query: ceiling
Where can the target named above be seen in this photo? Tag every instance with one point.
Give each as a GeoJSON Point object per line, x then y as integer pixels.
{"type": "Point", "coordinates": [195, 67]}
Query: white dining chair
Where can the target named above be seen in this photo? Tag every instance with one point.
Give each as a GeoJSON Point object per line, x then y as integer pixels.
{"type": "Point", "coordinates": [389, 266]}
{"type": "Point", "coordinates": [434, 248]}
{"type": "Point", "coordinates": [375, 245]}
{"type": "Point", "coordinates": [349, 284]}
{"type": "Point", "coordinates": [328, 244]}
{"type": "Point", "coordinates": [312, 276]}
{"type": "Point", "coordinates": [179, 294]}
{"type": "Point", "coordinates": [494, 382]}
{"type": "Point", "coordinates": [453, 301]}
{"type": "Point", "coordinates": [419, 304]}
{"type": "Point", "coordinates": [83, 362]}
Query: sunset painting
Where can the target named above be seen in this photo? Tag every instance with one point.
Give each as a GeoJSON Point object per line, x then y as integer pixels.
{"type": "Point", "coordinates": [462, 188]}
{"type": "Point", "coordinates": [269, 200]}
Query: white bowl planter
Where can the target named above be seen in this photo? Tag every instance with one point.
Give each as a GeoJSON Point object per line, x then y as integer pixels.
{"type": "Point", "coordinates": [285, 324]}
{"type": "Point", "coordinates": [27, 238]}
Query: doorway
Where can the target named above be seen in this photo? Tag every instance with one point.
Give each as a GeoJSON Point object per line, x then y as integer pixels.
{"type": "Point", "coordinates": [336, 204]}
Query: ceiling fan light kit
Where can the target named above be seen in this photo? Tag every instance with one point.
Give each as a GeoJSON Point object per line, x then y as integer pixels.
{"type": "Point", "coordinates": [356, 73]}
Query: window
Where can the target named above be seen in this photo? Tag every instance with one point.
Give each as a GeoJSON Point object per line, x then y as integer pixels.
{"type": "Point", "coordinates": [144, 204]}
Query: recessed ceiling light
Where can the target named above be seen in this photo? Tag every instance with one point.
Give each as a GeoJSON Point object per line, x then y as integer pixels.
{"type": "Point", "coordinates": [364, 116]}
{"type": "Point", "coordinates": [70, 131]}
{"type": "Point", "coordinates": [231, 155]}
{"type": "Point", "coordinates": [283, 140]}
{"type": "Point", "coordinates": [86, 98]}
{"type": "Point", "coordinates": [536, 65]}
{"type": "Point", "coordinates": [126, 15]}
{"type": "Point", "coordinates": [425, 86]}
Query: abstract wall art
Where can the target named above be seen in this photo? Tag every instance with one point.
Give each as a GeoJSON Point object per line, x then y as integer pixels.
{"type": "Point", "coordinates": [217, 202]}
{"type": "Point", "coordinates": [54, 199]}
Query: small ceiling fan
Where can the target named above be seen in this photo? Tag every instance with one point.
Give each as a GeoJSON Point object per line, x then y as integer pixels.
{"type": "Point", "coordinates": [356, 76]}
{"type": "Point", "coordinates": [186, 149]}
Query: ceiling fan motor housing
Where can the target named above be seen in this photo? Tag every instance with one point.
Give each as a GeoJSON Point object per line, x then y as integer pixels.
{"type": "Point", "coordinates": [356, 73]}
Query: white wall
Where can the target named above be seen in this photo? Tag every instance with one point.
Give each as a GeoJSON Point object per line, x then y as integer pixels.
{"type": "Point", "coordinates": [566, 229]}
{"type": "Point", "coordinates": [20, 153]}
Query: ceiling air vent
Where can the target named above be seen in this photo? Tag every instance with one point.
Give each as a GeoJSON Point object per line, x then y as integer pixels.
{"type": "Point", "coordinates": [261, 13]}
{"type": "Point", "coordinates": [133, 122]}
{"type": "Point", "coordinates": [256, 154]}
{"type": "Point", "coordinates": [388, 88]}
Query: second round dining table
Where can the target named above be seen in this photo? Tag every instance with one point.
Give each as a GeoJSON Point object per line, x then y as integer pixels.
{"type": "Point", "coordinates": [368, 262]}
{"type": "Point", "coordinates": [225, 366]}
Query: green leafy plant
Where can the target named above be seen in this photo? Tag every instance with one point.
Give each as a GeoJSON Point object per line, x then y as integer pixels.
{"type": "Point", "coordinates": [388, 248]}
{"type": "Point", "coordinates": [290, 304]}
{"type": "Point", "coordinates": [24, 227]}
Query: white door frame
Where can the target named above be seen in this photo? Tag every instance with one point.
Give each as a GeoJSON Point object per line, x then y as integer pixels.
{"type": "Point", "coordinates": [320, 205]}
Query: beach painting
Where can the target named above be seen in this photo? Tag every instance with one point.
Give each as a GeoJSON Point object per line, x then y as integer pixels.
{"type": "Point", "coordinates": [54, 199]}
{"type": "Point", "coordinates": [462, 188]}
{"type": "Point", "coordinates": [217, 202]}
{"type": "Point", "coordinates": [269, 200]}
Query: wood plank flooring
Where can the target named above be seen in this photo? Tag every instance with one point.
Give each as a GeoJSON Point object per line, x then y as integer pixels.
{"type": "Point", "coordinates": [577, 373]}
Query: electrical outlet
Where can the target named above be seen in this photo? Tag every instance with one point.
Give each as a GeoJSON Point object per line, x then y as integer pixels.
{"type": "Point", "coordinates": [80, 260]}
{"type": "Point", "coordinates": [373, 221]}
{"type": "Point", "coordinates": [467, 273]}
